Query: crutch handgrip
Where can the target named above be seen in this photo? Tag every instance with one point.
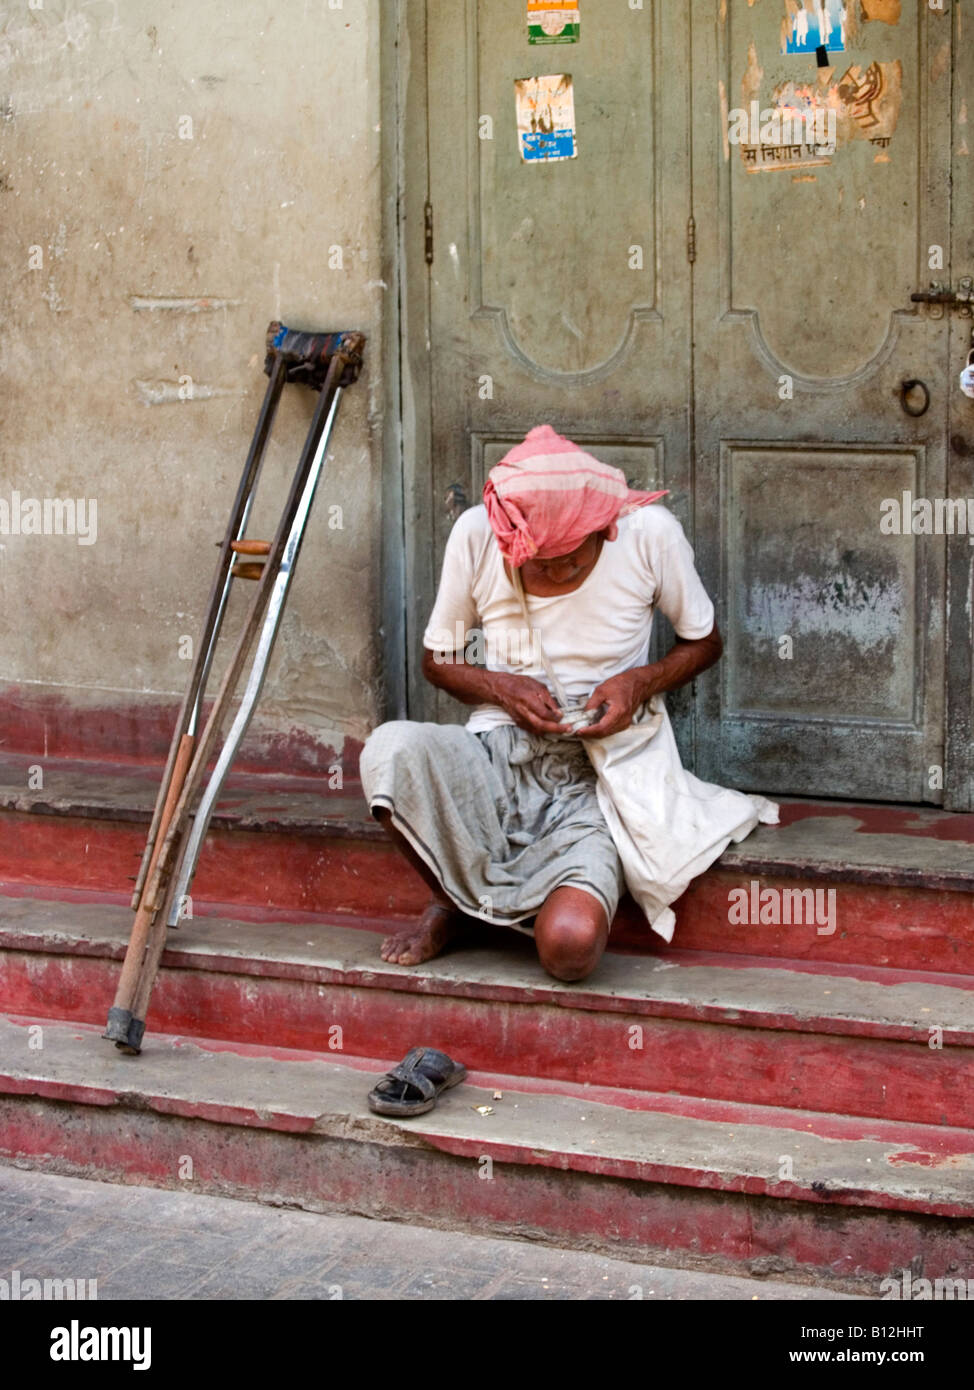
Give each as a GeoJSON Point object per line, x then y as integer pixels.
{"type": "Point", "coordinates": [250, 547]}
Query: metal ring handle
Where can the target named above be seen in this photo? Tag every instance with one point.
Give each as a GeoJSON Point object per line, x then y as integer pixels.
{"type": "Point", "coordinates": [912, 384]}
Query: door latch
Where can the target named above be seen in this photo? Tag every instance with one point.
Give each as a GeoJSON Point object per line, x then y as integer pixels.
{"type": "Point", "coordinates": [938, 295]}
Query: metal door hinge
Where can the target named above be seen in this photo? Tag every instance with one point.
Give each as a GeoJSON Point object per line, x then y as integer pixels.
{"type": "Point", "coordinates": [692, 240]}
{"type": "Point", "coordinates": [428, 215]}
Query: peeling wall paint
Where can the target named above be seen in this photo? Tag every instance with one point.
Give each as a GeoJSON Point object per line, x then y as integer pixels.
{"type": "Point", "coordinates": [184, 306]}
{"type": "Point", "coordinates": [886, 11]}
{"type": "Point", "coordinates": [861, 104]}
{"type": "Point", "coordinates": [175, 392]}
{"type": "Point", "coordinates": [844, 605]}
{"type": "Point", "coordinates": [940, 63]}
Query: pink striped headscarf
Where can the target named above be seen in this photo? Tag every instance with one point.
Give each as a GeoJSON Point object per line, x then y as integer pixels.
{"type": "Point", "coordinates": [547, 495]}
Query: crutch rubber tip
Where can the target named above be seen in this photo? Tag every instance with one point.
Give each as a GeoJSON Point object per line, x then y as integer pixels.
{"type": "Point", "coordinates": [118, 1025]}
{"type": "Point", "coordinates": [132, 1042]}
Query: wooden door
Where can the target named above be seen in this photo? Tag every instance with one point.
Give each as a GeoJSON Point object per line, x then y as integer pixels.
{"type": "Point", "coordinates": [833, 679]}
{"type": "Point", "coordinates": [559, 291]}
{"type": "Point", "coordinates": [725, 310]}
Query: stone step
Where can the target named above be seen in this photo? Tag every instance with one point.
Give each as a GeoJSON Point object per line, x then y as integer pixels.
{"type": "Point", "coordinates": [747, 1187]}
{"type": "Point", "coordinates": [851, 1040]}
{"type": "Point", "coordinates": [902, 878]}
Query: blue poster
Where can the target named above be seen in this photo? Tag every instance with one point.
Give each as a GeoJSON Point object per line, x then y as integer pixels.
{"type": "Point", "coordinates": [818, 24]}
{"type": "Point", "coordinates": [546, 117]}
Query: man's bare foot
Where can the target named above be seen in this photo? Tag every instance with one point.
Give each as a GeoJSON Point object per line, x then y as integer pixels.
{"type": "Point", "coordinates": [424, 939]}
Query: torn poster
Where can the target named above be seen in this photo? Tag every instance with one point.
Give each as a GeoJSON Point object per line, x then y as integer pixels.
{"type": "Point", "coordinates": [886, 10]}
{"type": "Point", "coordinates": [806, 121]}
{"type": "Point", "coordinates": [870, 101]}
{"type": "Point", "coordinates": [546, 117]}
{"type": "Point", "coordinates": [814, 24]}
{"type": "Point", "coordinates": [553, 21]}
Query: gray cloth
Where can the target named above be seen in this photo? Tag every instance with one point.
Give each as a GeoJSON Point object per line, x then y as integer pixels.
{"type": "Point", "coordinates": [503, 818]}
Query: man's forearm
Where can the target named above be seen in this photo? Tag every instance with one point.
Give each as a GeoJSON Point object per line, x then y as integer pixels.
{"type": "Point", "coordinates": [470, 684]}
{"type": "Point", "coordinates": [681, 664]}
{"type": "Point", "coordinates": [473, 685]}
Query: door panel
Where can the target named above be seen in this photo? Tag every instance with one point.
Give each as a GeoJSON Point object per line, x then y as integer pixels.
{"type": "Point", "coordinates": [832, 679]}
{"type": "Point", "coordinates": [559, 292]}
{"type": "Point", "coordinates": [960, 578]}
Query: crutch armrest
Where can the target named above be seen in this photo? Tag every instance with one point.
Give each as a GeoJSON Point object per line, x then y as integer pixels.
{"type": "Point", "coordinates": [307, 356]}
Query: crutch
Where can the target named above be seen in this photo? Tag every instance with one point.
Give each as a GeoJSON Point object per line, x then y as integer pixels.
{"type": "Point", "coordinates": [328, 362]}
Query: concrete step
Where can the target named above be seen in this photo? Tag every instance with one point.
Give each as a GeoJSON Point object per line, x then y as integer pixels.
{"type": "Point", "coordinates": [902, 877]}
{"type": "Point", "coordinates": [619, 1171]}
{"type": "Point", "coordinates": [849, 1040]}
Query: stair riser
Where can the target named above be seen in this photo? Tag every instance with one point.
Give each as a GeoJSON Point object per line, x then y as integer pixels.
{"type": "Point", "coordinates": [893, 927]}
{"type": "Point", "coordinates": [300, 873]}
{"type": "Point", "coordinates": [902, 928]}
{"type": "Point", "coordinates": [425, 1184]}
{"type": "Point", "coordinates": [844, 1074]}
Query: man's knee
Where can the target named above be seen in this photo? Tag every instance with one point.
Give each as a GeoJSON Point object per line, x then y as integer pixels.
{"type": "Point", "coordinates": [390, 749]}
{"type": "Point", "coordinates": [408, 740]}
{"type": "Point", "coordinates": [571, 932]}
{"type": "Point", "coordinates": [383, 739]}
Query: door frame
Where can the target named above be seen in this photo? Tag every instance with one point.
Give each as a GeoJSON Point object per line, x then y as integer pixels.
{"type": "Point", "coordinates": [405, 502]}
{"type": "Point", "coordinates": [959, 634]}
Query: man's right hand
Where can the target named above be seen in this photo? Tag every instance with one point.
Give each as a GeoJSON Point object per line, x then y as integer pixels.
{"type": "Point", "coordinates": [528, 702]}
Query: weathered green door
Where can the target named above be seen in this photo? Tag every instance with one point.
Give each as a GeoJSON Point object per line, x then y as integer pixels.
{"type": "Point", "coordinates": [559, 290]}
{"type": "Point", "coordinates": [723, 309]}
{"type": "Point", "coordinates": [833, 681]}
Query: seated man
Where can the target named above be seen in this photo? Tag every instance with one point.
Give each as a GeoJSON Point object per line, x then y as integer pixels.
{"type": "Point", "coordinates": [557, 578]}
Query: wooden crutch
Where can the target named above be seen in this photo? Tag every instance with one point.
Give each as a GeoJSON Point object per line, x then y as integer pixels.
{"type": "Point", "coordinates": [326, 362]}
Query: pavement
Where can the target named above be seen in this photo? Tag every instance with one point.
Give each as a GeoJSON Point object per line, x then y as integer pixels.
{"type": "Point", "coordinates": [160, 1244]}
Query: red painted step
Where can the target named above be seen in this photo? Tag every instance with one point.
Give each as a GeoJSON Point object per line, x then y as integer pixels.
{"type": "Point", "coordinates": [659, 1176]}
{"type": "Point", "coordinates": [902, 878]}
{"type": "Point", "coordinates": [865, 1042]}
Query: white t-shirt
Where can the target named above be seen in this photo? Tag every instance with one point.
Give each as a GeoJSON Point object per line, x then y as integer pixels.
{"type": "Point", "coordinates": [590, 634]}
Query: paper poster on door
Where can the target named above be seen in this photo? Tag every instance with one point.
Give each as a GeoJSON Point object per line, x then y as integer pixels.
{"type": "Point", "coordinates": [546, 117]}
{"type": "Point", "coordinates": [814, 24]}
{"type": "Point", "coordinates": [807, 123]}
{"type": "Point", "coordinates": [553, 21]}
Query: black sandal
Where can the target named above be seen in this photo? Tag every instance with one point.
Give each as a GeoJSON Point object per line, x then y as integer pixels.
{"type": "Point", "coordinates": [412, 1087]}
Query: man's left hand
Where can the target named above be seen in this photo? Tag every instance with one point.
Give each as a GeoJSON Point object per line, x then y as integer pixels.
{"type": "Point", "coordinates": [622, 697]}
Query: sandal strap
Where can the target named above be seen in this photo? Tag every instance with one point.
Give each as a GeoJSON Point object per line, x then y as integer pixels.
{"type": "Point", "coordinates": [410, 1076]}
{"type": "Point", "coordinates": [430, 1062]}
